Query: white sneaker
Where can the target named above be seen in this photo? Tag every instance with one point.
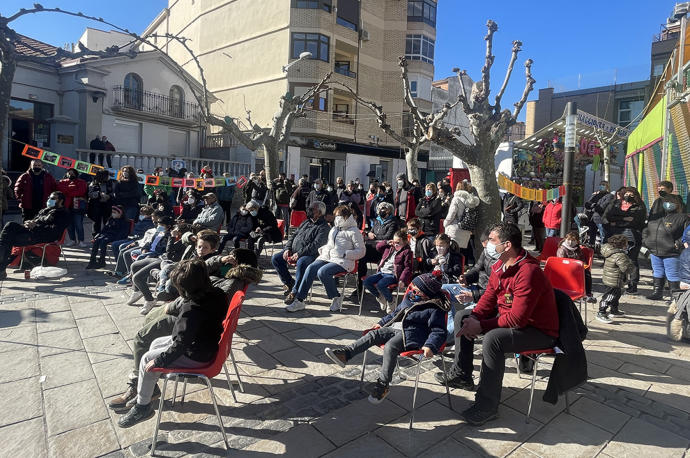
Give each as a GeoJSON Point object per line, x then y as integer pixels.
{"type": "Point", "coordinates": [148, 306]}
{"type": "Point", "coordinates": [136, 295]}
{"type": "Point", "coordinates": [70, 243]}
{"type": "Point", "coordinates": [296, 306]}
{"type": "Point", "coordinates": [383, 303]}
{"type": "Point", "coordinates": [84, 244]}
{"type": "Point", "coordinates": [337, 304]}
{"type": "Point", "coordinates": [390, 307]}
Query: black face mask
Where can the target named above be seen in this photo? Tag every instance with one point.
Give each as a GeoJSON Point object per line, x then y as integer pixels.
{"type": "Point", "coordinates": [37, 170]}
{"type": "Point", "coordinates": [662, 193]}
{"type": "Point", "coordinates": [629, 199]}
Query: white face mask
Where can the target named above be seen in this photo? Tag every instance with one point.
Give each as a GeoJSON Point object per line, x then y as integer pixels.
{"type": "Point", "coordinates": [491, 251]}
{"type": "Point", "coordinates": [339, 221]}
{"type": "Point", "coordinates": [442, 250]}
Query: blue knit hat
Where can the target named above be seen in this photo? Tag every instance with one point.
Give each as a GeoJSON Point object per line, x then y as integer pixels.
{"type": "Point", "coordinates": [428, 284]}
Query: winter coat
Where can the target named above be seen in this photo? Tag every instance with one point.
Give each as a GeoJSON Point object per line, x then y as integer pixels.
{"type": "Point", "coordinates": [211, 216]}
{"type": "Point", "coordinates": [269, 225]}
{"type": "Point", "coordinates": [255, 190]}
{"type": "Point", "coordinates": [197, 329]}
{"type": "Point", "coordinates": [593, 207]}
{"type": "Point", "coordinates": [50, 224]}
{"type": "Point", "coordinates": [237, 279]}
{"type": "Point", "coordinates": [159, 248]}
{"type": "Point", "coordinates": [477, 278]}
{"type": "Point", "coordinates": [617, 265]}
{"type": "Point", "coordinates": [141, 226]}
{"type": "Point", "coordinates": [308, 238]}
{"type": "Point", "coordinates": [563, 252]}
{"type": "Point", "coordinates": [190, 212]}
{"type": "Point", "coordinates": [373, 203]}
{"type": "Point", "coordinates": [114, 229]}
{"type": "Point", "coordinates": [241, 225]}
{"type": "Point", "coordinates": [429, 213]}
{"type": "Point", "coordinates": [402, 264]}
{"type": "Point", "coordinates": [345, 245]}
{"type": "Point", "coordinates": [412, 195]}
{"type": "Point", "coordinates": [72, 189]}
{"type": "Point", "coordinates": [174, 250]}
{"type": "Point", "coordinates": [384, 229]}
{"type": "Point", "coordinates": [23, 189]}
{"type": "Point", "coordinates": [552, 215]}
{"type": "Point", "coordinates": [321, 196]}
{"type": "Point", "coordinates": [462, 201]}
{"type": "Point", "coordinates": [663, 236]}
{"type": "Point", "coordinates": [517, 297]}
{"type": "Point", "coordinates": [536, 215]}
{"type": "Point", "coordinates": [127, 193]}
{"type": "Point", "coordinates": [298, 200]}
{"type": "Point", "coordinates": [600, 207]}
{"type": "Point", "coordinates": [226, 193]}
{"type": "Point", "coordinates": [614, 216]}
{"type": "Point", "coordinates": [422, 251]}
{"type": "Point", "coordinates": [93, 192]}
{"type": "Point", "coordinates": [423, 323]}
{"type": "Point", "coordinates": [570, 367]}
{"type": "Point", "coordinates": [512, 205]}
{"type": "Point", "coordinates": [452, 268]}
{"type": "Point", "coordinates": [657, 211]}
{"type": "Point", "coordinates": [281, 190]}
{"type": "Point", "coordinates": [684, 267]}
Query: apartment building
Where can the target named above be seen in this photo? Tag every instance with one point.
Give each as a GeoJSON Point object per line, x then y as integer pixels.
{"type": "Point", "coordinates": [243, 45]}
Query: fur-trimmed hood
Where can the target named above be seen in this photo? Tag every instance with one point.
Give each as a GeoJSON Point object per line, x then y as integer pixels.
{"type": "Point", "coordinates": [245, 273]}
{"type": "Point", "coordinates": [470, 200]}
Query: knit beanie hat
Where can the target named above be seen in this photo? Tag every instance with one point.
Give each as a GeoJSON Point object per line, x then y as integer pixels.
{"type": "Point", "coordinates": [429, 284]}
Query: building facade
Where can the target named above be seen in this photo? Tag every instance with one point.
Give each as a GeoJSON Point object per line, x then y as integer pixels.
{"type": "Point", "coordinates": [359, 41]}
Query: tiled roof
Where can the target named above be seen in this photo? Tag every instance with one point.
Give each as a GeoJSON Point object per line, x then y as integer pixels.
{"type": "Point", "coordinates": [29, 47]}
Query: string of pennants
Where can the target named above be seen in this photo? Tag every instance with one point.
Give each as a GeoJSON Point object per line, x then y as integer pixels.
{"type": "Point", "coordinates": [525, 193]}
{"type": "Point", "coordinates": [152, 180]}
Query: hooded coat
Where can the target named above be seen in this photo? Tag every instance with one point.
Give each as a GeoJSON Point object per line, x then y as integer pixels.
{"type": "Point", "coordinates": [345, 245]}
{"type": "Point", "coordinates": [462, 201]}
{"type": "Point", "coordinates": [423, 322]}
{"type": "Point", "coordinates": [617, 265]}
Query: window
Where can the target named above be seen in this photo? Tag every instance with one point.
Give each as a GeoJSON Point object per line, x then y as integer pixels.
{"type": "Point", "coordinates": [413, 88]}
{"type": "Point", "coordinates": [628, 110]}
{"type": "Point", "coordinates": [313, 4]}
{"type": "Point", "coordinates": [176, 101]}
{"type": "Point", "coordinates": [341, 112]}
{"type": "Point", "coordinates": [315, 43]}
{"type": "Point", "coordinates": [346, 23]}
{"type": "Point", "coordinates": [321, 102]}
{"type": "Point", "coordinates": [658, 68]}
{"type": "Point", "coordinates": [133, 91]}
{"type": "Point", "coordinates": [419, 47]}
{"type": "Point", "coordinates": [348, 14]}
{"type": "Point", "coordinates": [422, 11]}
{"type": "Point", "coordinates": [343, 67]}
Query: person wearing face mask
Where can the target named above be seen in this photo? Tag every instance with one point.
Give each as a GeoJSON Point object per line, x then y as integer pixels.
{"type": "Point", "coordinates": [406, 198]}
{"type": "Point", "coordinates": [626, 216]}
{"type": "Point", "coordinates": [476, 279]}
{"type": "Point", "coordinates": [570, 247]}
{"type": "Point", "coordinates": [512, 205]}
{"type": "Point", "coordinates": [462, 203]}
{"type": "Point", "coordinates": [339, 186]}
{"type": "Point", "coordinates": [552, 217]}
{"type": "Point", "coordinates": [664, 239]}
{"type": "Point", "coordinates": [161, 202]}
{"type": "Point", "coordinates": [446, 259]}
{"type": "Point", "coordinates": [241, 225]}
{"type": "Point", "coordinates": [429, 211]}
{"type": "Point", "coordinates": [344, 246]}
{"type": "Point", "coordinates": [100, 192]}
{"type": "Point", "coordinates": [127, 192]}
{"type": "Point", "coordinates": [333, 194]}
{"type": "Point", "coordinates": [394, 268]}
{"type": "Point", "coordinates": [211, 216]}
{"type": "Point", "coordinates": [372, 204]}
{"type": "Point", "coordinates": [116, 228]}
{"type": "Point", "coordinates": [517, 312]}
{"type": "Point", "coordinates": [665, 189]}
{"type": "Point", "coordinates": [74, 189]}
{"type": "Point", "coordinates": [266, 229]}
{"type": "Point", "coordinates": [143, 224]}
{"type": "Point", "coordinates": [191, 206]}
{"type": "Point", "coordinates": [32, 189]}
{"type": "Point", "coordinates": [320, 194]}
{"type": "Point", "coordinates": [594, 208]}
{"type": "Point", "coordinates": [420, 245]}
{"type": "Point", "coordinates": [47, 226]}
{"type": "Point", "coordinates": [125, 248]}
{"type": "Point", "coordinates": [298, 199]}
{"type": "Point", "coordinates": [384, 228]}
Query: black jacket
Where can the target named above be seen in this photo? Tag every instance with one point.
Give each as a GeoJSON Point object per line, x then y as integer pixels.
{"type": "Point", "coordinates": [614, 216]}
{"type": "Point", "coordinates": [657, 211]}
{"type": "Point", "coordinates": [477, 277]}
{"type": "Point", "coordinates": [197, 330]}
{"type": "Point", "coordinates": [422, 251]}
{"type": "Point", "coordinates": [384, 230]}
{"type": "Point", "coordinates": [663, 236]}
{"type": "Point", "coordinates": [570, 367]}
{"type": "Point", "coordinates": [429, 213]}
{"type": "Point", "coordinates": [321, 196]}
{"type": "Point", "coordinates": [241, 224]}
{"type": "Point", "coordinates": [127, 193]}
{"type": "Point", "coordinates": [423, 323]}
{"type": "Point", "coordinates": [308, 238]}
{"type": "Point", "coordinates": [452, 269]}
{"type": "Point", "coordinates": [50, 224]}
{"type": "Point", "coordinates": [269, 225]}
{"type": "Point", "coordinates": [512, 205]}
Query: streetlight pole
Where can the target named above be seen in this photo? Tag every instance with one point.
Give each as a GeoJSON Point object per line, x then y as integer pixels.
{"type": "Point", "coordinates": [568, 162]}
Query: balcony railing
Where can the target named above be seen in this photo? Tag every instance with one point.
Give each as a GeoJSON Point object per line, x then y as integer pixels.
{"type": "Point", "coordinates": [153, 103]}
{"type": "Point", "coordinates": [345, 71]}
{"type": "Point", "coordinates": [220, 141]}
{"type": "Point", "coordinates": [343, 117]}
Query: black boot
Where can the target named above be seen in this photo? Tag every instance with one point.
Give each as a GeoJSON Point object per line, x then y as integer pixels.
{"type": "Point", "coordinates": [674, 286]}
{"type": "Point", "coordinates": [658, 292]}
{"type": "Point", "coordinates": [92, 261]}
{"type": "Point", "coordinates": [632, 288]}
{"type": "Point", "coordinates": [101, 262]}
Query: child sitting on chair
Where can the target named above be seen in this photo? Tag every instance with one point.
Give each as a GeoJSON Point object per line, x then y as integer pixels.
{"type": "Point", "coordinates": [570, 248]}
{"type": "Point", "coordinates": [194, 339]}
{"type": "Point", "coordinates": [395, 268]}
{"type": "Point", "coordinates": [419, 322]}
{"type": "Point", "coordinates": [116, 228]}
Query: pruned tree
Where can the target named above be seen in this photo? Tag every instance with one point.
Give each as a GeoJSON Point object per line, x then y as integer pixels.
{"type": "Point", "coordinates": [606, 140]}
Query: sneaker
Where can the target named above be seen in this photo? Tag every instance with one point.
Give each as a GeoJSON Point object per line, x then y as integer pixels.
{"type": "Point", "coordinates": [477, 417]}
{"type": "Point", "coordinates": [383, 303]}
{"type": "Point", "coordinates": [113, 273]}
{"type": "Point", "coordinates": [164, 296]}
{"type": "Point", "coordinates": [390, 307]}
{"type": "Point", "coordinates": [456, 379]}
{"type": "Point", "coordinates": [616, 312]}
{"type": "Point", "coordinates": [148, 306]}
{"type": "Point", "coordinates": [604, 318]}
{"type": "Point", "coordinates": [154, 397]}
{"type": "Point", "coordinates": [378, 392]}
{"type": "Point", "coordinates": [121, 401]}
{"type": "Point", "coordinates": [591, 300]}
{"type": "Point", "coordinates": [84, 244]}
{"type": "Point", "coordinates": [136, 295]}
{"type": "Point", "coordinates": [286, 290]}
{"type": "Point", "coordinates": [124, 281]}
{"type": "Point", "coordinates": [296, 306]}
{"type": "Point", "coordinates": [337, 355]}
{"type": "Point", "coordinates": [289, 299]}
{"type": "Point", "coordinates": [69, 243]}
{"type": "Point", "coordinates": [337, 304]}
{"type": "Point", "coordinates": [136, 414]}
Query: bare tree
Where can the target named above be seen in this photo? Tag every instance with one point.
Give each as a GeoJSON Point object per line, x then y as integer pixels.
{"type": "Point", "coordinates": [606, 140]}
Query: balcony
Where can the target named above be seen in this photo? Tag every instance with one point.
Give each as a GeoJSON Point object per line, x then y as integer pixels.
{"type": "Point", "coordinates": [343, 117]}
{"type": "Point", "coordinates": [344, 70]}
{"type": "Point", "coordinates": [153, 104]}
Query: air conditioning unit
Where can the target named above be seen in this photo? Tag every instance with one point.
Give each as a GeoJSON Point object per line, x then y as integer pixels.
{"type": "Point", "coordinates": [364, 35]}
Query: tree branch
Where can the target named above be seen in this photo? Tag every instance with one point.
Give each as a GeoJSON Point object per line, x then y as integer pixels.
{"type": "Point", "coordinates": [529, 85]}
{"type": "Point", "coordinates": [517, 47]}
{"type": "Point", "coordinates": [492, 27]}
{"type": "Point", "coordinates": [407, 93]}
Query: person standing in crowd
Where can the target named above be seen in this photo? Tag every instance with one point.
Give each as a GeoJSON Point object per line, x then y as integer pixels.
{"type": "Point", "coordinates": [595, 208]}
{"type": "Point", "coordinates": [665, 189]}
{"type": "Point", "coordinates": [47, 226]}
{"type": "Point", "coordinates": [150, 190]}
{"type": "Point", "coordinates": [664, 238]}
{"type": "Point", "coordinates": [319, 194]}
{"type": "Point", "coordinates": [97, 145]}
{"type": "Point", "coordinates": [445, 199]}
{"type": "Point", "coordinates": [570, 247]}
{"type": "Point", "coordinates": [211, 216]}
{"type": "Point", "coordinates": [617, 265]}
{"type": "Point", "coordinates": [5, 194]}
{"type": "Point", "coordinates": [552, 217]}
{"type": "Point", "coordinates": [75, 190]}
{"type": "Point", "coordinates": [627, 217]}
{"type": "Point", "coordinates": [463, 202]}
{"type": "Point", "coordinates": [127, 192]}
{"type": "Point", "coordinates": [536, 221]}
{"type": "Point", "coordinates": [512, 206]}
{"type": "Point", "coordinates": [100, 193]}
{"type": "Point", "coordinates": [429, 211]}
{"type": "Point", "coordinates": [282, 192]}
{"type": "Point", "coordinates": [255, 189]}
{"type": "Point", "coordinates": [298, 200]}
{"type": "Point", "coordinates": [406, 199]}
{"type": "Point", "coordinates": [33, 188]}
{"type": "Point", "coordinates": [339, 186]}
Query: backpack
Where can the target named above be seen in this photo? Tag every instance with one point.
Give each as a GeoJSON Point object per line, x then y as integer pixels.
{"type": "Point", "coordinates": [282, 195]}
{"type": "Point", "coordinates": [469, 219]}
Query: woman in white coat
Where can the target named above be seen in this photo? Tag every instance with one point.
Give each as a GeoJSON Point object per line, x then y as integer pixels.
{"type": "Point", "coordinates": [345, 246]}
{"type": "Point", "coordinates": [462, 200]}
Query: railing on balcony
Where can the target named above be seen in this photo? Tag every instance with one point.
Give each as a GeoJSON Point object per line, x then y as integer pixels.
{"type": "Point", "coordinates": [344, 70]}
{"type": "Point", "coordinates": [343, 117]}
{"type": "Point", "coordinates": [220, 141]}
{"type": "Point", "coordinates": [153, 103]}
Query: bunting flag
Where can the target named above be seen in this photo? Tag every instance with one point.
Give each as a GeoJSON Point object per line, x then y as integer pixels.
{"type": "Point", "coordinates": [526, 193]}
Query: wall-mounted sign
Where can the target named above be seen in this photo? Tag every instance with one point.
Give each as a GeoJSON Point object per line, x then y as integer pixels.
{"type": "Point", "coordinates": [65, 139]}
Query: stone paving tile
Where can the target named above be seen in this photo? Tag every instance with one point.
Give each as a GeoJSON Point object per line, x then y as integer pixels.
{"type": "Point", "coordinates": [368, 445]}
{"type": "Point", "coordinates": [95, 439]}
{"type": "Point", "coordinates": [451, 447]}
{"type": "Point", "coordinates": [598, 414]}
{"type": "Point", "coordinates": [302, 440]}
{"type": "Point", "coordinates": [55, 321]}
{"type": "Point", "coordinates": [105, 347]}
{"type": "Point", "coordinates": [639, 438]}
{"type": "Point", "coordinates": [88, 309]}
{"type": "Point", "coordinates": [52, 305]}
{"type": "Point", "coordinates": [568, 436]}
{"type": "Point", "coordinates": [111, 375]}
{"type": "Point", "coordinates": [20, 400]}
{"type": "Point", "coordinates": [14, 318]}
{"type": "Point", "coordinates": [65, 368]}
{"type": "Point", "coordinates": [96, 326]}
{"type": "Point", "coordinates": [18, 338]}
{"type": "Point", "coordinates": [73, 406]}
{"type": "Point", "coordinates": [52, 343]}
{"type": "Point", "coordinates": [541, 411]}
{"type": "Point", "coordinates": [26, 438]}
{"type": "Point", "coordinates": [19, 364]}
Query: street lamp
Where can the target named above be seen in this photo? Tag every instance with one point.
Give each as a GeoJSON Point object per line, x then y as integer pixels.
{"type": "Point", "coordinates": [302, 56]}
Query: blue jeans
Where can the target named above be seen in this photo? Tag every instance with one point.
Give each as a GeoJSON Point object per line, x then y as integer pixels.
{"type": "Point", "coordinates": [76, 225]}
{"type": "Point", "coordinates": [453, 289]}
{"type": "Point", "coordinates": [325, 271]}
{"type": "Point", "coordinates": [551, 232]}
{"type": "Point", "coordinates": [666, 267]}
{"type": "Point", "coordinates": [378, 283]}
{"type": "Point", "coordinates": [281, 267]}
{"type": "Point", "coordinates": [118, 244]}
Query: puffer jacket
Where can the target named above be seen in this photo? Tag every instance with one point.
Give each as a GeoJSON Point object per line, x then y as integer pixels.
{"type": "Point", "coordinates": [429, 213]}
{"type": "Point", "coordinates": [423, 323]}
{"type": "Point", "coordinates": [402, 264]}
{"type": "Point", "coordinates": [478, 276]}
{"type": "Point", "coordinates": [461, 200]}
{"type": "Point", "coordinates": [617, 265]}
{"type": "Point", "coordinates": [50, 224]}
{"type": "Point", "coordinates": [211, 216]}
{"type": "Point", "coordinates": [241, 224]}
{"type": "Point", "coordinates": [663, 236]}
{"type": "Point", "coordinates": [345, 245]}
{"type": "Point", "coordinates": [384, 229]}
{"type": "Point", "coordinates": [552, 215]}
{"type": "Point", "coordinates": [308, 238]}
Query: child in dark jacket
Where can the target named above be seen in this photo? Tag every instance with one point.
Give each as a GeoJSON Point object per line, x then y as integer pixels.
{"type": "Point", "coordinates": [617, 265]}
{"type": "Point", "coordinates": [419, 322]}
{"type": "Point", "coordinates": [116, 228]}
{"type": "Point", "coordinates": [241, 225]}
{"type": "Point", "coordinates": [145, 222]}
{"type": "Point", "coordinates": [446, 259]}
{"type": "Point", "coordinates": [194, 340]}
{"type": "Point", "coordinates": [570, 248]}
{"type": "Point", "coordinates": [395, 268]}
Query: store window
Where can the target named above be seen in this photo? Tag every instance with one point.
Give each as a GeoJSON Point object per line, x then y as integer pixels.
{"type": "Point", "coordinates": [315, 43]}
{"type": "Point", "coordinates": [419, 47]}
{"type": "Point", "coordinates": [422, 11]}
{"type": "Point", "coordinates": [320, 103]}
{"type": "Point", "coordinates": [325, 5]}
{"type": "Point", "coordinates": [28, 123]}
{"type": "Point", "coordinates": [629, 110]}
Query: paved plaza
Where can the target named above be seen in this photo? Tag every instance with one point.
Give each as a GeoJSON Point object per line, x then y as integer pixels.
{"type": "Point", "coordinates": [66, 350]}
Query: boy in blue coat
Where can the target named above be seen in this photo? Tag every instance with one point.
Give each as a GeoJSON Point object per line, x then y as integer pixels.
{"type": "Point", "coordinates": [419, 322]}
{"type": "Point", "coordinates": [116, 228]}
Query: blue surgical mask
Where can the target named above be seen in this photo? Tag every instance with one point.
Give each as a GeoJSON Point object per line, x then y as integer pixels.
{"type": "Point", "coordinates": [429, 193]}
{"type": "Point", "coordinates": [142, 217]}
{"type": "Point", "coordinates": [602, 188]}
{"type": "Point", "coordinates": [669, 206]}
{"type": "Point", "coordinates": [317, 186]}
{"type": "Point", "coordinates": [254, 212]}
{"type": "Point", "coordinates": [415, 297]}
{"type": "Point", "coordinates": [51, 203]}
{"type": "Point", "coordinates": [491, 251]}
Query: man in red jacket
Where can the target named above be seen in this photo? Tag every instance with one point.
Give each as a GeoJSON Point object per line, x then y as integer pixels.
{"type": "Point", "coordinates": [516, 313]}
{"type": "Point", "coordinates": [33, 188]}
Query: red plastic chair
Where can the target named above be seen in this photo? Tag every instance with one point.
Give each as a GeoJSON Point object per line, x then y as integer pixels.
{"type": "Point", "coordinates": [177, 210]}
{"type": "Point", "coordinates": [589, 256]}
{"type": "Point", "coordinates": [550, 248]}
{"type": "Point", "coordinates": [442, 228]}
{"type": "Point", "coordinates": [206, 373]}
{"type": "Point", "coordinates": [131, 227]}
{"type": "Point", "coordinates": [568, 275]}
{"type": "Point", "coordinates": [341, 274]}
{"type": "Point", "coordinates": [297, 217]}
{"type": "Point", "coordinates": [536, 355]}
{"type": "Point", "coordinates": [43, 246]}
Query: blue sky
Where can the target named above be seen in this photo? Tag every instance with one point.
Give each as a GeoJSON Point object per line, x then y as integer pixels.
{"type": "Point", "coordinates": [585, 42]}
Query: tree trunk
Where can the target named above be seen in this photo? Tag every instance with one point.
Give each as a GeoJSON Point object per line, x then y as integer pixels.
{"type": "Point", "coordinates": [483, 177]}
{"type": "Point", "coordinates": [271, 165]}
{"type": "Point", "coordinates": [607, 163]}
{"type": "Point", "coordinates": [6, 78]}
{"type": "Point", "coordinates": [411, 162]}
